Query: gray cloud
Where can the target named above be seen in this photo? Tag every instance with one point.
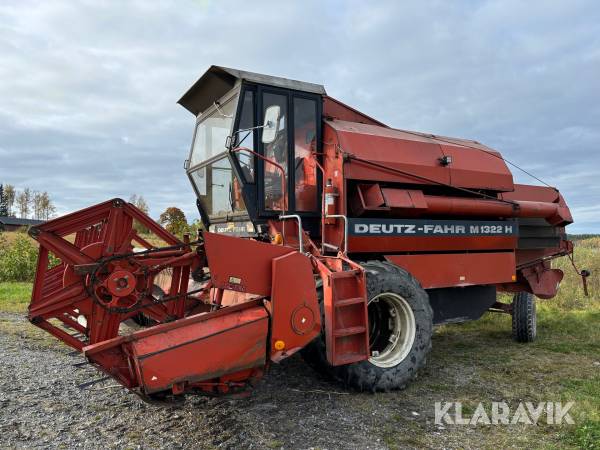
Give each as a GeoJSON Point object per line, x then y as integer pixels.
{"type": "Point", "coordinates": [88, 89]}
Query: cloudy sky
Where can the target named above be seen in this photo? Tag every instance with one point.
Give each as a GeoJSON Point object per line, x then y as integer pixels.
{"type": "Point", "coordinates": [88, 90]}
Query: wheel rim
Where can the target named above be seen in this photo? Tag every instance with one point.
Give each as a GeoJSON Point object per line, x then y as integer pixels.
{"type": "Point", "coordinates": [392, 329]}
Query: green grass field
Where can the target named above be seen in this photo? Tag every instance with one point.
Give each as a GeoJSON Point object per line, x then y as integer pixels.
{"type": "Point", "coordinates": [477, 362]}
{"type": "Point", "coordinates": [14, 296]}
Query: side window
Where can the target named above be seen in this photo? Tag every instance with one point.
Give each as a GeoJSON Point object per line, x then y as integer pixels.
{"type": "Point", "coordinates": [274, 179]}
{"type": "Point", "coordinates": [305, 142]}
{"type": "Point", "coordinates": [246, 138]}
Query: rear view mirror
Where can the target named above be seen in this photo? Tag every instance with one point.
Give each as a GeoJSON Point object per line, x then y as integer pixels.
{"type": "Point", "coordinates": [271, 124]}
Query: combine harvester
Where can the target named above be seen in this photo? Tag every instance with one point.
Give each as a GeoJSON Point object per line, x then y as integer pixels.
{"type": "Point", "coordinates": [328, 233]}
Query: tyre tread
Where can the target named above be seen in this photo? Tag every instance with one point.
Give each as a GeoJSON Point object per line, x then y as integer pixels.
{"type": "Point", "coordinates": [364, 376]}
{"type": "Point", "coordinates": [524, 317]}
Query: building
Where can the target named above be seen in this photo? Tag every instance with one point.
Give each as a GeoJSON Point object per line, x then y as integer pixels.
{"type": "Point", "coordinates": [14, 223]}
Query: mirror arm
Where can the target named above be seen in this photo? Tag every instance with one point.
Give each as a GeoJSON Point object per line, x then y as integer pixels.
{"type": "Point", "coordinates": [229, 139]}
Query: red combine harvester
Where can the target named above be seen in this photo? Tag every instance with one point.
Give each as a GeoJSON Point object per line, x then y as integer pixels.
{"type": "Point", "coordinates": [326, 232]}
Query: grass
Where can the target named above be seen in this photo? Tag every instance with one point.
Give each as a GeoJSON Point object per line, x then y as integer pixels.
{"type": "Point", "coordinates": [476, 362]}
{"type": "Point", "coordinates": [15, 296]}
{"type": "Point", "coordinates": [563, 364]}
{"type": "Point", "coordinates": [11, 236]}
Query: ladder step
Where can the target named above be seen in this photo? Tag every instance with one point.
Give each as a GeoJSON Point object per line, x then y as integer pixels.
{"type": "Point", "coordinates": [345, 274]}
{"type": "Point", "coordinates": [348, 331]}
{"type": "Point", "coordinates": [348, 302]}
{"type": "Point", "coordinates": [350, 358]}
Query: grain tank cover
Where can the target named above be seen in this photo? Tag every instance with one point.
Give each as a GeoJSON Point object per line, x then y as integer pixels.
{"type": "Point", "coordinates": [218, 80]}
{"type": "Point", "coordinates": [473, 165]}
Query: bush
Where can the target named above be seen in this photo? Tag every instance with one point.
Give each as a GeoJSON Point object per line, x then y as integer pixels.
{"type": "Point", "coordinates": [18, 259]}
{"type": "Point", "coordinates": [570, 295]}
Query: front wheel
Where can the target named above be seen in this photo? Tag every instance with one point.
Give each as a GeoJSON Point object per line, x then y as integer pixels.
{"type": "Point", "coordinates": [400, 329]}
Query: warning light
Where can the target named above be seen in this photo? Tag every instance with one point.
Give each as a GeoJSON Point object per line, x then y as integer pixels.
{"type": "Point", "coordinates": [279, 345]}
{"type": "Point", "coordinates": [514, 278]}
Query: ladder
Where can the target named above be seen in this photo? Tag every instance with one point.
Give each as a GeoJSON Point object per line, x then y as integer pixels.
{"type": "Point", "coordinates": [346, 317]}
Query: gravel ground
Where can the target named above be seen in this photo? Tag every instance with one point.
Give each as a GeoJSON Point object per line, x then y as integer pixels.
{"type": "Point", "coordinates": [42, 406]}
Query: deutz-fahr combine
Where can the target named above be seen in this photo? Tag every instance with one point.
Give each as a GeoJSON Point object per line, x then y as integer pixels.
{"type": "Point", "coordinates": [325, 232]}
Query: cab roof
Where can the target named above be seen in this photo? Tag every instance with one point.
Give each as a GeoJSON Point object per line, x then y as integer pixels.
{"type": "Point", "coordinates": [218, 80]}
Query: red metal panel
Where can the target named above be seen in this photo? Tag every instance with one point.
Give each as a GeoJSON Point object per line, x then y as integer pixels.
{"type": "Point", "coordinates": [404, 198]}
{"type": "Point", "coordinates": [202, 350]}
{"type": "Point", "coordinates": [371, 195]}
{"type": "Point", "coordinates": [241, 264]}
{"type": "Point", "coordinates": [532, 193]}
{"type": "Point", "coordinates": [458, 206]}
{"type": "Point", "coordinates": [477, 168]}
{"type": "Point", "coordinates": [543, 280]}
{"type": "Point", "coordinates": [334, 171]}
{"type": "Point", "coordinates": [335, 109]}
{"type": "Point", "coordinates": [458, 269]}
{"type": "Point", "coordinates": [425, 244]}
{"type": "Point", "coordinates": [473, 165]}
{"type": "Point", "coordinates": [420, 155]}
{"type": "Point", "coordinates": [295, 314]}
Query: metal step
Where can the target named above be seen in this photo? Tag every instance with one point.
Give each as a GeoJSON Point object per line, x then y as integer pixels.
{"type": "Point", "coordinates": [348, 302]}
{"type": "Point", "coordinates": [349, 358]}
{"type": "Point", "coordinates": [345, 274]}
{"type": "Point", "coordinates": [349, 331]}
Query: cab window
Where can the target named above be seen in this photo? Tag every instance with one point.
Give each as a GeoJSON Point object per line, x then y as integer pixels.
{"type": "Point", "coordinates": [245, 136]}
{"type": "Point", "coordinates": [218, 189]}
{"type": "Point", "coordinates": [275, 181]}
{"type": "Point", "coordinates": [305, 167]}
{"type": "Point", "coordinates": [211, 133]}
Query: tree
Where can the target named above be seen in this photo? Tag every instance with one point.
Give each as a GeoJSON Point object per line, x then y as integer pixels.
{"type": "Point", "coordinates": [139, 203]}
{"type": "Point", "coordinates": [3, 202]}
{"type": "Point", "coordinates": [37, 205]}
{"type": "Point", "coordinates": [47, 208]}
{"type": "Point", "coordinates": [195, 227]}
{"type": "Point", "coordinates": [9, 195]}
{"type": "Point", "coordinates": [23, 200]}
{"type": "Point", "coordinates": [173, 219]}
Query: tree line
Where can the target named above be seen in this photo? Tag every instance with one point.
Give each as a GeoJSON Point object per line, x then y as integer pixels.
{"type": "Point", "coordinates": [26, 204]}
{"type": "Point", "coordinates": [173, 218]}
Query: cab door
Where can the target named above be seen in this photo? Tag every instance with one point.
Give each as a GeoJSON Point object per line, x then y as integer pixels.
{"type": "Point", "coordinates": [295, 185]}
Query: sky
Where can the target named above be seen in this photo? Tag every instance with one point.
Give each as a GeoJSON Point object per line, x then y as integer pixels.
{"type": "Point", "coordinates": [88, 89]}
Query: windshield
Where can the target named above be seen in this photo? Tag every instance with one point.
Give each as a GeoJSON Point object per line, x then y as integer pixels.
{"type": "Point", "coordinates": [212, 131]}
{"type": "Point", "coordinates": [218, 189]}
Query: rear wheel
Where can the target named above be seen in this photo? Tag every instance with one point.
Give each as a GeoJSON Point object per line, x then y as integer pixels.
{"type": "Point", "coordinates": [524, 317]}
{"type": "Point", "coordinates": [400, 328]}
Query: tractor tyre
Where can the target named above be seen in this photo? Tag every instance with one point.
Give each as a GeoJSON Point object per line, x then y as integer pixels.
{"type": "Point", "coordinates": [400, 329]}
{"type": "Point", "coordinates": [524, 322]}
